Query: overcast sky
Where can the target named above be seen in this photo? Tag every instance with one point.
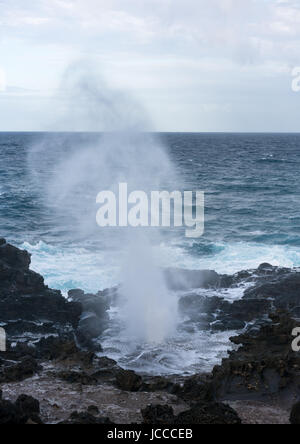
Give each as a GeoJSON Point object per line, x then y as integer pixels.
{"type": "Point", "coordinates": [194, 65]}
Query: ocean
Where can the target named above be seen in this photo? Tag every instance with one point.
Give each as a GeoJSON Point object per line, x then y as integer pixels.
{"type": "Point", "coordinates": [252, 215]}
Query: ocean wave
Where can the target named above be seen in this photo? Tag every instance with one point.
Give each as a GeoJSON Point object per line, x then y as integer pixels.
{"type": "Point", "coordinates": [230, 257]}
{"type": "Point", "coordinates": [66, 268]}
{"type": "Point", "coordinates": [70, 267]}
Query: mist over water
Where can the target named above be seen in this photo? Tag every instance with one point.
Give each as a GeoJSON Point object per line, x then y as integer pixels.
{"type": "Point", "coordinates": [82, 165]}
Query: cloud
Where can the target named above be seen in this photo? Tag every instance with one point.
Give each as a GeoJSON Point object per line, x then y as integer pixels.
{"type": "Point", "coordinates": [245, 31]}
{"type": "Point", "coordinates": [190, 62]}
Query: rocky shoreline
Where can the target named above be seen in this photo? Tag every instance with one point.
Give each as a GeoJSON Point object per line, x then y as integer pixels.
{"type": "Point", "coordinates": [51, 371]}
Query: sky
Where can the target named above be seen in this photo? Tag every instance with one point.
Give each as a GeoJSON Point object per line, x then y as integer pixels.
{"type": "Point", "coordinates": [192, 65]}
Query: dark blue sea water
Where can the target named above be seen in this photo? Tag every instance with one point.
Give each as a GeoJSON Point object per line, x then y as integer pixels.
{"type": "Point", "coordinates": [252, 203]}
{"type": "Point", "coordinates": [252, 208]}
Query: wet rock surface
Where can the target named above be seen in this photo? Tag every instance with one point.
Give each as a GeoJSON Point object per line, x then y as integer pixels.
{"type": "Point", "coordinates": [265, 290]}
{"type": "Point", "coordinates": [129, 381]}
{"type": "Point", "coordinates": [264, 364]}
{"type": "Point", "coordinates": [27, 305]}
{"type": "Point", "coordinates": [201, 413]}
{"type": "Point", "coordinates": [53, 344]}
{"type": "Point", "coordinates": [25, 410]}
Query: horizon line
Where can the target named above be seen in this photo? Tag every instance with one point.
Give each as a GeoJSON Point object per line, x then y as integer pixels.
{"type": "Point", "coordinates": [146, 132]}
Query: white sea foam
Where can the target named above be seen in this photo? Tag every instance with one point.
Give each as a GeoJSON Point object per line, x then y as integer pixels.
{"type": "Point", "coordinates": [77, 267]}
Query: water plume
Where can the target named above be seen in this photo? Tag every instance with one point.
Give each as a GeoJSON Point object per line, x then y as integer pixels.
{"type": "Point", "coordinates": [84, 164]}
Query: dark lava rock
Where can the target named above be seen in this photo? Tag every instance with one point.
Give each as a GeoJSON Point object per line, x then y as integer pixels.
{"type": "Point", "coordinates": [27, 306]}
{"type": "Point", "coordinates": [263, 365]}
{"type": "Point", "coordinates": [36, 315]}
{"type": "Point", "coordinates": [248, 310]}
{"type": "Point", "coordinates": [53, 347]}
{"type": "Point", "coordinates": [93, 410]}
{"type": "Point", "coordinates": [25, 410]}
{"type": "Point", "coordinates": [295, 414]}
{"type": "Point", "coordinates": [90, 327]}
{"type": "Point", "coordinates": [106, 370]}
{"type": "Point", "coordinates": [95, 318]}
{"type": "Point", "coordinates": [201, 413]}
{"type": "Point", "coordinates": [28, 405]}
{"type": "Point", "coordinates": [20, 371]}
{"type": "Point", "coordinates": [283, 290]}
{"type": "Point", "coordinates": [158, 415]}
{"type": "Point", "coordinates": [198, 388]}
{"type": "Point", "coordinates": [76, 377]}
{"type": "Point", "coordinates": [22, 328]}
{"type": "Point", "coordinates": [219, 315]}
{"type": "Point", "coordinates": [84, 418]}
{"type": "Point", "coordinates": [10, 414]}
{"type": "Point", "coordinates": [158, 383]}
{"type": "Point", "coordinates": [92, 303]}
{"type": "Point", "coordinates": [209, 413]}
{"type": "Point", "coordinates": [128, 381]}
{"type": "Point", "coordinates": [228, 325]}
{"type": "Point", "coordinates": [87, 342]}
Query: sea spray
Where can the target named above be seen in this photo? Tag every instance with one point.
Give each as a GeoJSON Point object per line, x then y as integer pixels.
{"type": "Point", "coordinates": [84, 164]}
{"type": "Point", "coordinates": [150, 309]}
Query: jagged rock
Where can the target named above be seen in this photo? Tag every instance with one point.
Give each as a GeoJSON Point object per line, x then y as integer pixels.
{"type": "Point", "coordinates": [92, 303]}
{"type": "Point", "coordinates": [90, 327]}
{"type": "Point", "coordinates": [219, 315]}
{"type": "Point", "coordinates": [283, 290]}
{"type": "Point", "coordinates": [201, 413]}
{"type": "Point", "coordinates": [20, 371]}
{"type": "Point", "coordinates": [24, 411]}
{"type": "Point", "coordinates": [158, 415]}
{"type": "Point", "coordinates": [106, 370]}
{"type": "Point", "coordinates": [209, 413]}
{"type": "Point", "coordinates": [94, 319]}
{"type": "Point", "coordinates": [28, 405]}
{"type": "Point", "coordinates": [158, 383]}
{"type": "Point", "coordinates": [76, 377]}
{"type": "Point", "coordinates": [20, 328]}
{"type": "Point", "coordinates": [10, 414]}
{"type": "Point", "coordinates": [26, 304]}
{"type": "Point", "coordinates": [295, 414]}
{"type": "Point", "coordinates": [263, 365]}
{"type": "Point", "coordinates": [53, 347]}
{"type": "Point", "coordinates": [228, 324]}
{"type": "Point", "coordinates": [128, 381]}
{"type": "Point", "coordinates": [93, 410]}
{"type": "Point", "coordinates": [198, 388]}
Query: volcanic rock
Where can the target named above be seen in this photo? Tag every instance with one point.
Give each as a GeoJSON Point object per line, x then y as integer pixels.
{"type": "Point", "coordinates": [209, 413]}
{"type": "Point", "coordinates": [295, 414]}
{"type": "Point", "coordinates": [158, 415]}
{"type": "Point", "coordinates": [263, 365]}
{"type": "Point", "coordinates": [128, 381]}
